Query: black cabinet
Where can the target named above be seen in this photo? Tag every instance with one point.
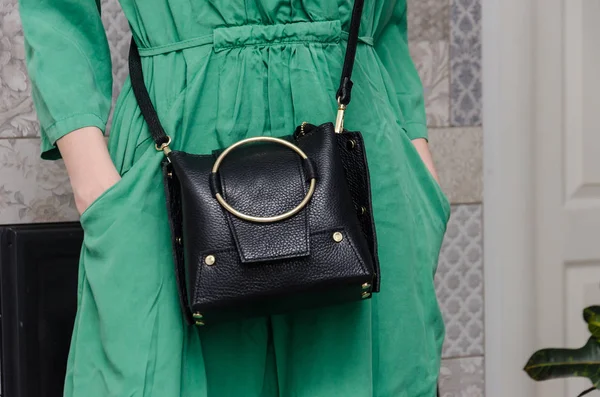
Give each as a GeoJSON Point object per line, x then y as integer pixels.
{"type": "Point", "coordinates": [38, 297]}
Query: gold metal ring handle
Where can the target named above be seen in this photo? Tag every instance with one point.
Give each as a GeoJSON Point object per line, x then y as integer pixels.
{"type": "Point", "coordinates": [270, 219]}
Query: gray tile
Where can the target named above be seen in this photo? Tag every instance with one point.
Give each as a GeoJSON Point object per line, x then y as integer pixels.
{"type": "Point", "coordinates": [463, 377]}
{"type": "Point", "coordinates": [465, 62]}
{"type": "Point", "coordinates": [459, 283]}
{"type": "Point", "coordinates": [17, 113]}
{"type": "Point", "coordinates": [119, 37]}
{"type": "Point", "coordinates": [458, 156]}
{"type": "Point", "coordinates": [428, 20]}
{"type": "Point", "coordinates": [431, 61]}
{"type": "Point", "coordinates": [32, 190]}
{"type": "Point", "coordinates": [17, 118]}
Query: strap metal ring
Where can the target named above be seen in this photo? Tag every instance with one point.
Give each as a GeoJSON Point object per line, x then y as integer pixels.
{"type": "Point", "coordinates": [163, 146]}
{"type": "Point", "coordinates": [270, 219]}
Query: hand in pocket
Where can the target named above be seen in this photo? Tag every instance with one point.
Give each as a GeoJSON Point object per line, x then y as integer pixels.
{"type": "Point", "coordinates": [423, 149]}
{"type": "Point", "coordinates": [86, 195]}
{"type": "Point", "coordinates": [89, 165]}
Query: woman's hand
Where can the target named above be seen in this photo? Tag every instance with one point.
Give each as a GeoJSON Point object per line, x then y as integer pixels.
{"type": "Point", "coordinates": [423, 148]}
{"type": "Point", "coordinates": [89, 165]}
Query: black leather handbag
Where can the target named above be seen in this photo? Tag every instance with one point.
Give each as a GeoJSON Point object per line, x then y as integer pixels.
{"type": "Point", "coordinates": [270, 225]}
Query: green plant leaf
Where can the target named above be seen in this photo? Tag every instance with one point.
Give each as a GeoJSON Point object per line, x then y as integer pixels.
{"type": "Point", "coordinates": [591, 315]}
{"type": "Point", "coordinates": [566, 363]}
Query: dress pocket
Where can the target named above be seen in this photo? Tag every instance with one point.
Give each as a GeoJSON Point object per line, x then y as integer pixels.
{"type": "Point", "coordinates": [432, 189]}
{"type": "Point", "coordinates": [441, 195]}
{"type": "Point", "coordinates": [99, 199]}
{"type": "Point", "coordinates": [117, 195]}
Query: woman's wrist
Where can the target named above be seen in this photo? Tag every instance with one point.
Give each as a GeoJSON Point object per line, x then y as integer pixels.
{"type": "Point", "coordinates": [88, 164]}
{"type": "Point", "coordinates": [423, 149]}
{"type": "Point", "coordinates": [86, 192]}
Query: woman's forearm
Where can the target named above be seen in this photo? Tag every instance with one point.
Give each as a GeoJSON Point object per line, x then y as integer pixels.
{"type": "Point", "coordinates": [88, 163]}
{"type": "Point", "coordinates": [423, 148]}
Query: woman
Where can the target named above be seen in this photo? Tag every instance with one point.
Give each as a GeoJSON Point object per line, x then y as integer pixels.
{"type": "Point", "coordinates": [129, 337]}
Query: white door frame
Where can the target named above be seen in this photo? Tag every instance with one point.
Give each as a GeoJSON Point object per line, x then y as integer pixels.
{"type": "Point", "coordinates": [508, 39]}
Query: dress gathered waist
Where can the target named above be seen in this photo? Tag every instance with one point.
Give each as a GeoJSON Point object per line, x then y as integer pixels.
{"type": "Point", "coordinates": [326, 32]}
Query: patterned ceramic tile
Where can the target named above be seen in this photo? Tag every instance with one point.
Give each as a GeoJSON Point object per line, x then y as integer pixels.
{"type": "Point", "coordinates": [17, 117]}
{"type": "Point", "coordinates": [428, 20]}
{"type": "Point", "coordinates": [462, 377]}
{"type": "Point", "coordinates": [32, 190]}
{"type": "Point", "coordinates": [459, 282]}
{"type": "Point", "coordinates": [465, 62]}
{"type": "Point", "coordinates": [431, 60]}
{"type": "Point", "coordinates": [119, 37]}
{"type": "Point", "coordinates": [17, 114]}
{"type": "Point", "coordinates": [458, 155]}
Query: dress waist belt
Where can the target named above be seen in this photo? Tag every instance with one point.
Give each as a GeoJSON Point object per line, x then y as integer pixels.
{"type": "Point", "coordinates": [260, 35]}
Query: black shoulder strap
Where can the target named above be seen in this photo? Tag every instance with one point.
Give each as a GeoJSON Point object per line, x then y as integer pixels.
{"type": "Point", "coordinates": [345, 90]}
{"type": "Point", "coordinates": [151, 117]}
{"type": "Point", "coordinates": [143, 98]}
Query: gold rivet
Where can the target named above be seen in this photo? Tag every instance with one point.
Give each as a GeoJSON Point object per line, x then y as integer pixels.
{"type": "Point", "coordinates": [179, 240]}
{"type": "Point", "coordinates": [302, 132]}
{"type": "Point", "coordinates": [351, 144]}
{"type": "Point", "coordinates": [199, 318]}
{"type": "Point", "coordinates": [338, 237]}
{"type": "Point", "coordinates": [365, 295]}
{"type": "Point", "coordinates": [366, 286]}
{"type": "Point", "coordinates": [210, 260]}
{"type": "Point", "coordinates": [170, 174]}
{"type": "Point", "coordinates": [363, 210]}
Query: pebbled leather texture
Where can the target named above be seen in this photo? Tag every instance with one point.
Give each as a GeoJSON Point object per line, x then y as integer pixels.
{"type": "Point", "coordinates": [334, 266]}
{"type": "Point", "coordinates": [354, 157]}
{"type": "Point", "coordinates": [266, 179]}
{"type": "Point", "coordinates": [277, 267]}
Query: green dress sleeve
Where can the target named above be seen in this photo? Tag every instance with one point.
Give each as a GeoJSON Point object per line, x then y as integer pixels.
{"type": "Point", "coordinates": [392, 47]}
{"type": "Point", "coordinates": [69, 65]}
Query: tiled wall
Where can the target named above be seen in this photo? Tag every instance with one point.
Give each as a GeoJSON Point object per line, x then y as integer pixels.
{"type": "Point", "coordinates": [445, 44]}
{"type": "Point", "coordinates": [32, 190]}
{"type": "Point", "coordinates": [445, 41]}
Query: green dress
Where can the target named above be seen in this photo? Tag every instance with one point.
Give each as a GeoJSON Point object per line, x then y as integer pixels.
{"type": "Point", "coordinates": [219, 71]}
